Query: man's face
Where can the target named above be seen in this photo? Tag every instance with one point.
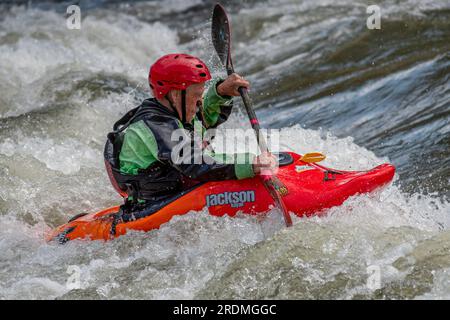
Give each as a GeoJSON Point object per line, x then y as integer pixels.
{"type": "Point", "coordinates": [194, 97]}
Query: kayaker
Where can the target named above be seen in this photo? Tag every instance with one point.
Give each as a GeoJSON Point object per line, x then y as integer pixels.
{"type": "Point", "coordinates": [139, 152]}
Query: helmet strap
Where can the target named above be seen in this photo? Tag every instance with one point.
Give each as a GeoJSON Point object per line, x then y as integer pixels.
{"type": "Point", "coordinates": [171, 105]}
{"type": "Point", "coordinates": [183, 106]}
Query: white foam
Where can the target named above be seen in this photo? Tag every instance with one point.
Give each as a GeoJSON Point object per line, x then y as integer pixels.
{"type": "Point", "coordinates": [182, 258]}
{"type": "Point", "coordinates": [66, 157]}
{"type": "Point", "coordinates": [46, 51]}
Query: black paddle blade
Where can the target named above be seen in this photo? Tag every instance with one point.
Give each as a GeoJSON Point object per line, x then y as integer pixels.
{"type": "Point", "coordinates": [221, 37]}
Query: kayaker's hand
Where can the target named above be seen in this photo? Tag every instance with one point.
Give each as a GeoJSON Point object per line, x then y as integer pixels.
{"type": "Point", "coordinates": [265, 163]}
{"type": "Point", "coordinates": [231, 85]}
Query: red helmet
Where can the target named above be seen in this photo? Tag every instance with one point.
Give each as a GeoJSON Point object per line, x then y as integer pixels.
{"type": "Point", "coordinates": [176, 72]}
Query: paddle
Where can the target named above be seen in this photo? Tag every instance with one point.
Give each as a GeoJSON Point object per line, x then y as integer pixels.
{"type": "Point", "coordinates": [221, 37]}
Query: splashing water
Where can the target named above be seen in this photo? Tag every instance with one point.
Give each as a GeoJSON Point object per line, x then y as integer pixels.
{"type": "Point", "coordinates": [313, 73]}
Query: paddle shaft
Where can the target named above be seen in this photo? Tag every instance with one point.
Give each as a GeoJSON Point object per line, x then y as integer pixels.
{"type": "Point", "coordinates": [251, 114]}
{"type": "Point", "coordinates": [221, 37]}
{"type": "Point", "coordinates": [269, 181]}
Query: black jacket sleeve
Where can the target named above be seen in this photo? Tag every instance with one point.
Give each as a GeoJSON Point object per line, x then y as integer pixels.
{"type": "Point", "coordinates": [177, 147]}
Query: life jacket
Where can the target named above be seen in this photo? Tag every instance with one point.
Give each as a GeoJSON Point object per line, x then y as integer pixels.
{"type": "Point", "coordinates": [155, 183]}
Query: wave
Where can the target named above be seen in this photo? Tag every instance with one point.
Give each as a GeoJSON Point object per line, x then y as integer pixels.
{"type": "Point", "coordinates": [361, 97]}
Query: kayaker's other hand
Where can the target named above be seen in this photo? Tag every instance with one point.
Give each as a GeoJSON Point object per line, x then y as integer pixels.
{"type": "Point", "coordinates": [231, 85]}
{"type": "Point", "coordinates": [265, 163]}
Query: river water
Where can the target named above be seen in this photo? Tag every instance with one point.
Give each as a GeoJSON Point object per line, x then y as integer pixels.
{"type": "Point", "coordinates": [362, 97]}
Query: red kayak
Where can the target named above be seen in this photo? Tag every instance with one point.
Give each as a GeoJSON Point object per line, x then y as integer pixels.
{"type": "Point", "coordinates": [311, 189]}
